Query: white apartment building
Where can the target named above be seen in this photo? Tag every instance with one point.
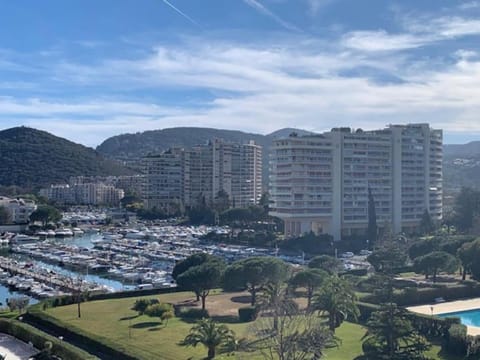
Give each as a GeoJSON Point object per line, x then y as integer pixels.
{"type": "Point", "coordinates": [198, 174]}
{"type": "Point", "coordinates": [320, 182]}
{"type": "Point", "coordinates": [165, 179]}
{"type": "Point", "coordinates": [19, 209]}
{"type": "Point", "coordinates": [84, 194]}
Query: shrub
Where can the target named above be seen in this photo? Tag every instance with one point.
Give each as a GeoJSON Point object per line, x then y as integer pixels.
{"type": "Point", "coordinates": [357, 272]}
{"type": "Point", "coordinates": [457, 339]}
{"type": "Point", "coordinates": [366, 310]}
{"type": "Point", "coordinates": [428, 295]}
{"type": "Point", "coordinates": [157, 310]}
{"type": "Point", "coordinates": [193, 313]}
{"type": "Point", "coordinates": [248, 313]}
{"type": "Point", "coordinates": [38, 338]}
{"type": "Point", "coordinates": [141, 305]}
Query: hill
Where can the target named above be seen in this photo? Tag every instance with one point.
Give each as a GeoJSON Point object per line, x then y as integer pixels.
{"type": "Point", "coordinates": [469, 150]}
{"type": "Point", "coordinates": [461, 165]}
{"type": "Point", "coordinates": [461, 162]}
{"type": "Point", "coordinates": [132, 147]}
{"type": "Point", "coordinates": [31, 158]}
{"type": "Point", "coordinates": [135, 146]}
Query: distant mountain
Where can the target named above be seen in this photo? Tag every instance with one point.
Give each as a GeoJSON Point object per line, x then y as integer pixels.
{"type": "Point", "coordinates": [31, 158]}
{"type": "Point", "coordinates": [132, 147]}
{"type": "Point", "coordinates": [461, 165]}
{"type": "Point", "coordinates": [469, 150]}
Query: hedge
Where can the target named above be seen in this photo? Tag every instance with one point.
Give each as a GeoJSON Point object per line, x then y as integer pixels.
{"type": "Point", "coordinates": [366, 310]}
{"type": "Point", "coordinates": [98, 345]}
{"type": "Point", "coordinates": [415, 296]}
{"type": "Point", "coordinates": [134, 293]}
{"type": "Point", "coordinates": [29, 334]}
{"type": "Point", "coordinates": [247, 313]}
{"type": "Point", "coordinates": [457, 340]}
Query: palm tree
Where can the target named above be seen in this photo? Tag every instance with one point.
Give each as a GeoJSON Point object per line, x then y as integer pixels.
{"type": "Point", "coordinates": [336, 298]}
{"type": "Point", "coordinates": [211, 335]}
{"type": "Point", "coordinates": [276, 300]}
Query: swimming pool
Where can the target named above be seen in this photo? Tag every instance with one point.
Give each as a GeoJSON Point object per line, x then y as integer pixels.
{"type": "Point", "coordinates": [467, 317]}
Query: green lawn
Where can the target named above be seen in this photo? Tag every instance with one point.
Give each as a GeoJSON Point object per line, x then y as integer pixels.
{"type": "Point", "coordinates": [147, 339]}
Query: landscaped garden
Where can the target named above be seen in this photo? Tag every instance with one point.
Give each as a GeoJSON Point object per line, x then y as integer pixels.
{"type": "Point", "coordinates": [116, 324]}
{"type": "Point", "coordinates": [264, 308]}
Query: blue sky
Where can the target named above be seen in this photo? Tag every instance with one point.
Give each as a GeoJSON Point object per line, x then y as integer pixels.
{"type": "Point", "coordinates": [87, 70]}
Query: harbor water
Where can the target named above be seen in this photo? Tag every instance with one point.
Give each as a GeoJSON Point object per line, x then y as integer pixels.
{"type": "Point", "coordinates": [84, 241]}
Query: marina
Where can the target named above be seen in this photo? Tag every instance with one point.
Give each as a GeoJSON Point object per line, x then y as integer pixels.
{"type": "Point", "coordinates": [117, 258]}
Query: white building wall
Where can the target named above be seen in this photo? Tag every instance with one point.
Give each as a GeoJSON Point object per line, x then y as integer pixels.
{"type": "Point", "coordinates": [401, 164]}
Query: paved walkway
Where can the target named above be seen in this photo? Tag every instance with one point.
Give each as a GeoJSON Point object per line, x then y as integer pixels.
{"type": "Point", "coordinates": [15, 349]}
{"type": "Point", "coordinates": [449, 307]}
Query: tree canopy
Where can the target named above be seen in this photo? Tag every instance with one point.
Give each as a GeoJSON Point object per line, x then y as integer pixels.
{"type": "Point", "coordinates": [434, 262]}
{"type": "Point", "coordinates": [202, 278]}
{"type": "Point", "coordinates": [391, 336]}
{"type": "Point", "coordinates": [211, 335]}
{"type": "Point", "coordinates": [310, 279]}
{"type": "Point", "coordinates": [327, 263]}
{"type": "Point", "coordinates": [337, 298]}
{"type": "Point", "coordinates": [254, 273]}
{"type": "Point", "coordinates": [46, 214]}
{"type": "Point", "coordinates": [193, 260]}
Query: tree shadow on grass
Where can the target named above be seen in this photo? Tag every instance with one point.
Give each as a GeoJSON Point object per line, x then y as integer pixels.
{"type": "Point", "coordinates": [147, 324]}
{"type": "Point", "coordinates": [244, 299]}
{"type": "Point", "coordinates": [442, 354]}
{"type": "Point", "coordinates": [226, 319]}
{"type": "Point", "coordinates": [156, 328]}
{"type": "Point", "coordinates": [128, 317]}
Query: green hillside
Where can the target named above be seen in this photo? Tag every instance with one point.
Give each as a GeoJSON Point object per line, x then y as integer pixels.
{"type": "Point", "coordinates": [132, 147]}
{"type": "Point", "coordinates": [30, 158]}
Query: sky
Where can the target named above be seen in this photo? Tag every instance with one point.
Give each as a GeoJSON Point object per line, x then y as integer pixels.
{"type": "Point", "coordinates": [87, 69]}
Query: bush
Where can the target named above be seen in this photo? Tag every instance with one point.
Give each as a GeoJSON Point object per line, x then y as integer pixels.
{"type": "Point", "coordinates": [193, 313]}
{"type": "Point", "coordinates": [38, 338]}
{"type": "Point", "coordinates": [141, 305]}
{"type": "Point", "coordinates": [158, 310]}
{"type": "Point", "coordinates": [432, 326]}
{"type": "Point", "coordinates": [409, 296]}
{"type": "Point", "coordinates": [357, 272]}
{"type": "Point", "coordinates": [366, 310]}
{"type": "Point", "coordinates": [457, 339]}
{"type": "Point", "coordinates": [248, 313]}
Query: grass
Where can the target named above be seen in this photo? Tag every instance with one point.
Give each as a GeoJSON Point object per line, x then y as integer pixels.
{"type": "Point", "coordinates": [147, 339]}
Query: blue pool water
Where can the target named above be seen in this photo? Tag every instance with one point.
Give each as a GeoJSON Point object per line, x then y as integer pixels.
{"type": "Point", "coordinates": [468, 317]}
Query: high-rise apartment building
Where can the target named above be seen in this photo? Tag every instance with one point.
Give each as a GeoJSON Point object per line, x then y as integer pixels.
{"type": "Point", "coordinates": [320, 182]}
{"type": "Point", "coordinates": [165, 179]}
{"type": "Point", "coordinates": [200, 173]}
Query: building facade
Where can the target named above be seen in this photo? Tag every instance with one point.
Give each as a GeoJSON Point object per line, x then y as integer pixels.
{"type": "Point", "coordinates": [19, 209]}
{"type": "Point", "coordinates": [165, 179]}
{"type": "Point", "coordinates": [320, 182]}
{"type": "Point", "coordinates": [199, 174]}
{"type": "Point", "coordinates": [80, 193]}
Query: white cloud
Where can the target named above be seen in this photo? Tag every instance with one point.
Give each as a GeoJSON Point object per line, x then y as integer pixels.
{"type": "Point", "coordinates": [468, 5]}
{"type": "Point", "coordinates": [418, 31]}
{"type": "Point", "coordinates": [261, 89]}
{"type": "Point", "coordinates": [381, 41]}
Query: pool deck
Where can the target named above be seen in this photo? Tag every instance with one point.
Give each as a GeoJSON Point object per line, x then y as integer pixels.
{"type": "Point", "coordinates": [449, 307]}
{"type": "Point", "coordinates": [15, 349]}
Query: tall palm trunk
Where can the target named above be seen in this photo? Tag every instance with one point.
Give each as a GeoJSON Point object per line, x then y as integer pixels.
{"type": "Point", "coordinates": [331, 321]}
{"type": "Point", "coordinates": [211, 352]}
